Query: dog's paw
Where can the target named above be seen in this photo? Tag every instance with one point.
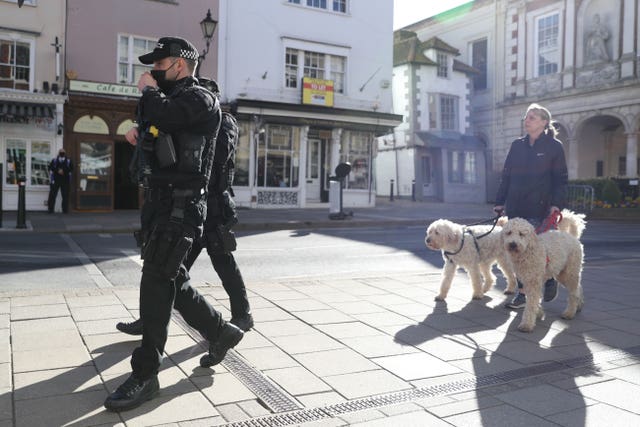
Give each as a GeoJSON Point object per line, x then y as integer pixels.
{"type": "Point", "coordinates": [525, 328]}
{"type": "Point", "coordinates": [475, 296]}
{"type": "Point", "coordinates": [568, 315]}
{"type": "Point", "coordinates": [509, 292]}
{"type": "Point", "coordinates": [439, 298]}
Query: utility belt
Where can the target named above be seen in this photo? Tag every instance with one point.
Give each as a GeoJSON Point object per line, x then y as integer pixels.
{"type": "Point", "coordinates": [179, 195]}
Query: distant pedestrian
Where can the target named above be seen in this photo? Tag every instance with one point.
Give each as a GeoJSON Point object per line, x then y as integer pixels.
{"type": "Point", "coordinates": [60, 169]}
{"type": "Point", "coordinates": [534, 182]}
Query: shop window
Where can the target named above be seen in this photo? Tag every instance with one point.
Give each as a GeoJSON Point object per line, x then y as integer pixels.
{"type": "Point", "coordinates": [462, 167]}
{"type": "Point", "coordinates": [278, 162]}
{"type": "Point", "coordinates": [241, 177]}
{"type": "Point", "coordinates": [356, 149]}
{"type": "Point", "coordinates": [15, 64]}
{"type": "Point", "coordinates": [28, 160]}
{"type": "Point", "coordinates": [129, 49]}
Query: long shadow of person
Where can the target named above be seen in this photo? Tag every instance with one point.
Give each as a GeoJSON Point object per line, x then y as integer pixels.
{"type": "Point", "coordinates": [75, 396]}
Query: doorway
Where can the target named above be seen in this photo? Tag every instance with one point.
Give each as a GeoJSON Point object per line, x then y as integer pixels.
{"type": "Point", "coordinates": [125, 190]}
{"type": "Point", "coordinates": [313, 177]}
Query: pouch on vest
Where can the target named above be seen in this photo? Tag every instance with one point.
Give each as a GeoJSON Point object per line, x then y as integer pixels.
{"type": "Point", "coordinates": [164, 150]}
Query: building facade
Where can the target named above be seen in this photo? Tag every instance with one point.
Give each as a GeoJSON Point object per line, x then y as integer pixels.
{"type": "Point", "coordinates": [431, 156]}
{"type": "Point", "coordinates": [32, 97]}
{"type": "Point", "coordinates": [578, 58]}
{"type": "Point", "coordinates": [308, 96]}
{"type": "Point", "coordinates": [102, 77]}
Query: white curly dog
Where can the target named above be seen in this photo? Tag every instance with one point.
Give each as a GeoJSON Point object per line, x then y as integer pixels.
{"type": "Point", "coordinates": [464, 247]}
{"type": "Point", "coordinates": [461, 247]}
{"type": "Point", "coordinates": [537, 258]}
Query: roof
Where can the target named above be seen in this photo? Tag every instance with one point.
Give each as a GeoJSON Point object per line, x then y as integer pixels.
{"type": "Point", "coordinates": [464, 68]}
{"type": "Point", "coordinates": [439, 44]}
{"type": "Point", "coordinates": [407, 49]}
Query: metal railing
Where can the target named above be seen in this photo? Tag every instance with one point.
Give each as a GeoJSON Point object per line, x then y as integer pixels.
{"type": "Point", "coordinates": [580, 198]}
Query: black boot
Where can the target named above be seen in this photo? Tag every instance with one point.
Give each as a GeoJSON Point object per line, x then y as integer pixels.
{"type": "Point", "coordinates": [229, 337]}
{"type": "Point", "coordinates": [132, 393]}
{"type": "Point", "coordinates": [244, 322]}
{"type": "Point", "coordinates": [131, 328]}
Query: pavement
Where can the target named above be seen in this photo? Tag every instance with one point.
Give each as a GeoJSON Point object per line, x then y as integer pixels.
{"type": "Point", "coordinates": [372, 350]}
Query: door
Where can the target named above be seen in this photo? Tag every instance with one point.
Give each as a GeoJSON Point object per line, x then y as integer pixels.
{"type": "Point", "coordinates": [313, 170]}
{"type": "Point", "coordinates": [95, 176]}
{"type": "Point", "coordinates": [428, 187]}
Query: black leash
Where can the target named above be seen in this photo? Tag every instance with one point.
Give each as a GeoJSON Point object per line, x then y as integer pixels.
{"type": "Point", "coordinates": [475, 238]}
{"type": "Point", "coordinates": [495, 221]}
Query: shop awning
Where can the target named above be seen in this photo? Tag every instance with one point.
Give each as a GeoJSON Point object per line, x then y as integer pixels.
{"type": "Point", "coordinates": [17, 110]}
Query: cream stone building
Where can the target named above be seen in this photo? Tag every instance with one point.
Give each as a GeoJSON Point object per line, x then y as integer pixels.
{"type": "Point", "coordinates": [578, 58]}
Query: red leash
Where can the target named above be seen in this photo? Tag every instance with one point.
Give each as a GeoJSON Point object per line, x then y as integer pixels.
{"type": "Point", "coordinates": [550, 222]}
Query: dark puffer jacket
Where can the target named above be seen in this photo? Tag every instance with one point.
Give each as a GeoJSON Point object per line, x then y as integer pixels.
{"type": "Point", "coordinates": [534, 178]}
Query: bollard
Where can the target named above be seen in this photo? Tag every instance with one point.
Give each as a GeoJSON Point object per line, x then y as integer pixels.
{"type": "Point", "coordinates": [22, 211]}
{"type": "Point", "coordinates": [391, 191]}
{"type": "Point", "coordinates": [1, 181]}
{"type": "Point", "coordinates": [413, 190]}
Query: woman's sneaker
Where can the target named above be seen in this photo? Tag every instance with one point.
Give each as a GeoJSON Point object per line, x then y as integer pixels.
{"type": "Point", "coordinates": [519, 301]}
{"type": "Point", "coordinates": [550, 290]}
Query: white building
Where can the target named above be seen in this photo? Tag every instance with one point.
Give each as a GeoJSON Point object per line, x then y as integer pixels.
{"type": "Point", "coordinates": [431, 155]}
{"type": "Point", "coordinates": [578, 58]}
{"type": "Point", "coordinates": [310, 83]}
{"type": "Point", "coordinates": [31, 100]}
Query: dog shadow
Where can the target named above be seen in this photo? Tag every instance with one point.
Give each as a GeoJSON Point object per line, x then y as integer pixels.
{"type": "Point", "coordinates": [481, 338]}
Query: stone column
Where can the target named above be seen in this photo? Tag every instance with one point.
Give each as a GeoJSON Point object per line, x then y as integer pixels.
{"type": "Point", "coordinates": [569, 46]}
{"type": "Point", "coordinates": [632, 154]}
{"type": "Point", "coordinates": [574, 159]}
{"type": "Point", "coordinates": [628, 44]}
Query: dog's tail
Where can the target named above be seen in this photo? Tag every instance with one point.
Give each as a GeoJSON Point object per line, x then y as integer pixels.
{"type": "Point", "coordinates": [572, 223]}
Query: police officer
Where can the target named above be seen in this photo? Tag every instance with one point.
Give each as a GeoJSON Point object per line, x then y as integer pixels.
{"type": "Point", "coordinates": [60, 169]}
{"type": "Point", "coordinates": [178, 121]}
{"type": "Point", "coordinates": [218, 238]}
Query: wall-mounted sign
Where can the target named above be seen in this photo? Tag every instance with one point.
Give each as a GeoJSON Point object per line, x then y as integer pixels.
{"type": "Point", "coordinates": [317, 92]}
{"type": "Point", "coordinates": [91, 124]}
{"type": "Point", "coordinates": [103, 88]}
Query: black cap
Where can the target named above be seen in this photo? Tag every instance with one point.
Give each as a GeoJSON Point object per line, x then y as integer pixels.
{"type": "Point", "coordinates": [170, 46]}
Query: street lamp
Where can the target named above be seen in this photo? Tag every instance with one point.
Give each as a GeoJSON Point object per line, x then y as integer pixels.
{"type": "Point", "coordinates": [208, 26]}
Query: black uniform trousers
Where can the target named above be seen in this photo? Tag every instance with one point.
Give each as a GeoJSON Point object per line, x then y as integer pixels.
{"type": "Point", "coordinates": [227, 269]}
{"type": "Point", "coordinates": [62, 184]}
{"type": "Point", "coordinates": [165, 280]}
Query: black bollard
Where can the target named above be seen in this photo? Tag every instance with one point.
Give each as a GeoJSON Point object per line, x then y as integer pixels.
{"type": "Point", "coordinates": [391, 191]}
{"type": "Point", "coordinates": [22, 210]}
{"type": "Point", "coordinates": [413, 190]}
{"type": "Point", "coordinates": [1, 181]}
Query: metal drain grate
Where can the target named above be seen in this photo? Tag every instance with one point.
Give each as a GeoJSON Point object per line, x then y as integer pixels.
{"type": "Point", "coordinates": [271, 395]}
{"type": "Point", "coordinates": [306, 415]}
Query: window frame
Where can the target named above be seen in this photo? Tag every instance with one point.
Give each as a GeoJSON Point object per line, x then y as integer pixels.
{"type": "Point", "coordinates": [335, 6]}
{"type": "Point", "coordinates": [480, 65]}
{"type": "Point", "coordinates": [466, 167]}
{"type": "Point", "coordinates": [132, 59]}
{"type": "Point", "coordinates": [23, 39]}
{"type": "Point", "coordinates": [325, 72]}
{"type": "Point", "coordinates": [29, 163]}
{"type": "Point", "coordinates": [442, 70]}
{"type": "Point", "coordinates": [557, 51]}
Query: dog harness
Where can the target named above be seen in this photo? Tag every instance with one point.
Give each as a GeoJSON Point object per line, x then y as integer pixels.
{"type": "Point", "coordinates": [475, 241]}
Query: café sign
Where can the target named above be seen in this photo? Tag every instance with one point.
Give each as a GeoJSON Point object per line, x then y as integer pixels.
{"type": "Point", "coordinates": [103, 88]}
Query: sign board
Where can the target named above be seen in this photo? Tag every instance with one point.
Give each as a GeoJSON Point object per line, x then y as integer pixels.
{"type": "Point", "coordinates": [317, 92]}
{"type": "Point", "coordinates": [103, 88]}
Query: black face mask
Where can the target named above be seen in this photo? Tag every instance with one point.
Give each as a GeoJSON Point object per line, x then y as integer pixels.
{"type": "Point", "coordinates": [161, 77]}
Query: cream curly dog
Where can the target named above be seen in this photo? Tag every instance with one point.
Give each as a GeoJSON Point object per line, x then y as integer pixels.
{"type": "Point", "coordinates": [461, 247]}
{"type": "Point", "coordinates": [537, 258]}
{"type": "Point", "coordinates": [572, 223]}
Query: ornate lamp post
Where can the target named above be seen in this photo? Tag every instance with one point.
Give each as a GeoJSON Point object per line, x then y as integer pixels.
{"type": "Point", "coordinates": [208, 26]}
